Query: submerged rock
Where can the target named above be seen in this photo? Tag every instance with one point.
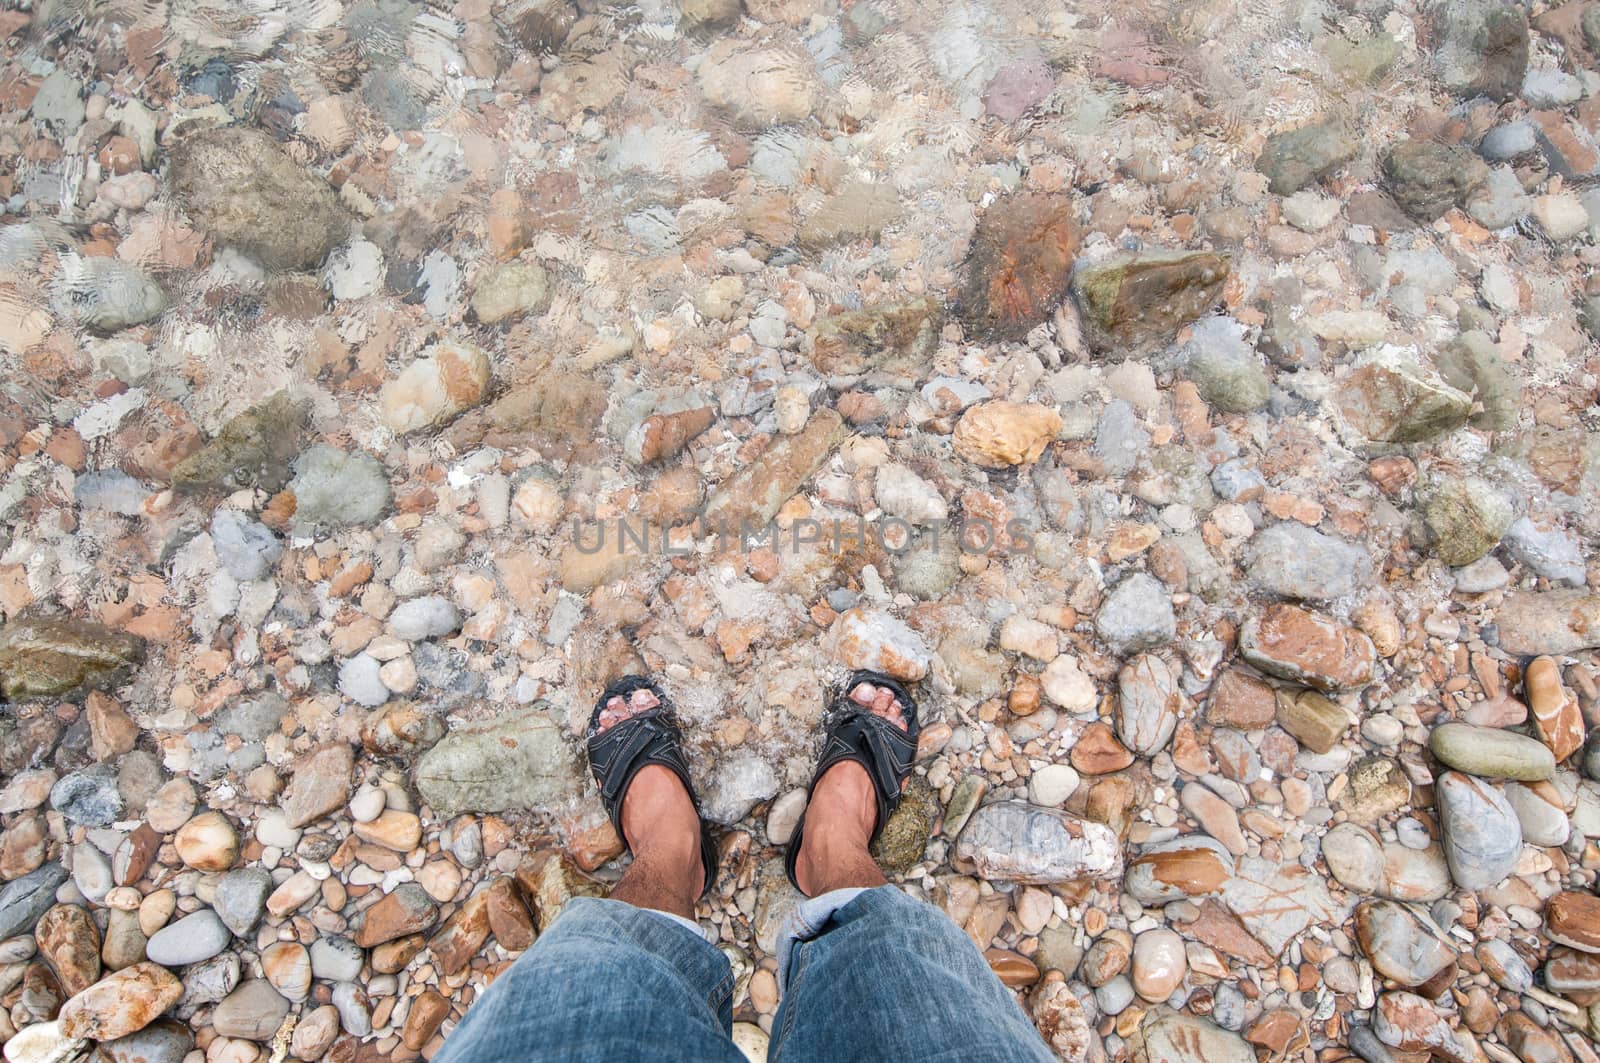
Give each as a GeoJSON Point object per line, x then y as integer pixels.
{"type": "Point", "coordinates": [337, 488]}
{"type": "Point", "coordinates": [239, 186]}
{"type": "Point", "coordinates": [1427, 179]}
{"type": "Point", "coordinates": [1013, 841]}
{"type": "Point", "coordinates": [446, 379]}
{"type": "Point", "coordinates": [1299, 157]}
{"type": "Point", "coordinates": [1132, 303]}
{"type": "Point", "coordinates": [56, 658]}
{"type": "Point", "coordinates": [1480, 47]}
{"type": "Point", "coordinates": [519, 760]}
{"type": "Point", "coordinates": [1386, 399]}
{"type": "Point", "coordinates": [1019, 265]}
{"type": "Point", "coordinates": [1466, 518]}
{"type": "Point", "coordinates": [252, 450]}
{"type": "Point", "coordinates": [1300, 562]}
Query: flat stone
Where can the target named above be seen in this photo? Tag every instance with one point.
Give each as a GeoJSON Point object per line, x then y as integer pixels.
{"type": "Point", "coordinates": [1491, 752]}
{"type": "Point", "coordinates": [406, 910]}
{"type": "Point", "coordinates": [253, 449]}
{"type": "Point", "coordinates": [1398, 945]}
{"type": "Point", "coordinates": [1013, 841]}
{"type": "Point", "coordinates": [757, 491]}
{"type": "Point", "coordinates": [1412, 1024]}
{"type": "Point", "coordinates": [254, 1011]}
{"type": "Point", "coordinates": [1386, 398]}
{"type": "Point", "coordinates": [1167, 1036]}
{"type": "Point", "coordinates": [25, 899]}
{"type": "Point", "coordinates": [1295, 561]}
{"type": "Point", "coordinates": [1315, 721]}
{"type": "Point", "coordinates": [519, 759]}
{"type": "Point", "coordinates": [1299, 157]}
{"type": "Point", "coordinates": [1277, 902]}
{"type": "Point", "coordinates": [319, 784]}
{"type": "Point", "coordinates": [999, 434]}
{"type": "Point", "coordinates": [59, 658]}
{"type": "Point", "coordinates": [1132, 303]}
{"type": "Point", "coordinates": [1241, 701]}
{"type": "Point", "coordinates": [191, 939]}
{"type": "Point", "coordinates": [1136, 615]}
{"type": "Point", "coordinates": [1191, 866]}
{"type": "Point", "coordinates": [1556, 622]}
{"type": "Point", "coordinates": [165, 1041]}
{"type": "Point", "coordinates": [1019, 265]}
{"type": "Point", "coordinates": [121, 1003]}
{"type": "Point", "coordinates": [1573, 919]}
{"type": "Point", "coordinates": [1147, 704]}
{"type": "Point", "coordinates": [1482, 836]}
{"type": "Point", "coordinates": [1294, 644]}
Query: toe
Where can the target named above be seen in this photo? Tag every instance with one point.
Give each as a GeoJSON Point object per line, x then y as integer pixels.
{"type": "Point", "coordinates": [880, 701]}
{"type": "Point", "coordinates": [619, 708]}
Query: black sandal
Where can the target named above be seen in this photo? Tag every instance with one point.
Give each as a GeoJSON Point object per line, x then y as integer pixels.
{"type": "Point", "coordinates": [651, 737]}
{"type": "Point", "coordinates": [855, 733]}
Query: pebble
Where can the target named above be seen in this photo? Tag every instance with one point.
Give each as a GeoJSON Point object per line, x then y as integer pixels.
{"type": "Point", "coordinates": [1011, 841]}
{"type": "Point", "coordinates": [207, 842]}
{"type": "Point", "coordinates": [1482, 836]}
{"type": "Point", "coordinates": [1491, 752]}
{"type": "Point", "coordinates": [191, 939]}
{"type": "Point", "coordinates": [1159, 964]}
{"type": "Point", "coordinates": [1049, 787]}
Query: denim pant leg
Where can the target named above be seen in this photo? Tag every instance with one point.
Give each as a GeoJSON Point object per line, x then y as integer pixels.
{"type": "Point", "coordinates": [607, 981]}
{"type": "Point", "coordinates": [892, 979]}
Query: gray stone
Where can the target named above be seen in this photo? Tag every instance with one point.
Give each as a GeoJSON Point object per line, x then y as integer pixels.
{"type": "Point", "coordinates": [106, 294]}
{"type": "Point", "coordinates": [1480, 47]}
{"type": "Point", "coordinates": [1482, 836]}
{"type": "Point", "coordinates": [1295, 159]}
{"type": "Point", "coordinates": [25, 899]}
{"type": "Point", "coordinates": [930, 568]}
{"type": "Point", "coordinates": [110, 491]}
{"type": "Point", "coordinates": [1167, 1036]}
{"type": "Point", "coordinates": [241, 897]}
{"type": "Point", "coordinates": [88, 797]}
{"type": "Point", "coordinates": [254, 1011]}
{"type": "Point", "coordinates": [1428, 178]}
{"type": "Point", "coordinates": [165, 1041]}
{"type": "Point", "coordinates": [338, 488]}
{"type": "Point", "coordinates": [1500, 201]}
{"type": "Point", "coordinates": [424, 618]}
{"type": "Point", "coordinates": [353, 1006]}
{"type": "Point", "coordinates": [1505, 965]}
{"type": "Point", "coordinates": [336, 959]}
{"type": "Point", "coordinates": [518, 760]}
{"type": "Point", "coordinates": [1491, 752]}
{"type": "Point", "coordinates": [1013, 841]}
{"type": "Point", "coordinates": [1399, 946]}
{"type": "Point", "coordinates": [1550, 88]}
{"type": "Point", "coordinates": [1355, 857]}
{"type": "Point", "coordinates": [1507, 141]}
{"type": "Point", "coordinates": [1226, 370]}
{"type": "Point", "coordinates": [247, 548]}
{"type": "Point", "coordinates": [211, 980]}
{"type": "Point", "coordinates": [1551, 552]}
{"type": "Point", "coordinates": [59, 103]}
{"type": "Point", "coordinates": [1132, 303]}
{"type": "Point", "coordinates": [1295, 561]}
{"type": "Point", "coordinates": [238, 185]}
{"type": "Point", "coordinates": [252, 719]}
{"type": "Point", "coordinates": [1137, 615]}
{"type": "Point", "coordinates": [359, 681]}
{"type": "Point", "coordinates": [253, 449]}
{"type": "Point", "coordinates": [1119, 439]}
{"type": "Point", "coordinates": [1482, 576]}
{"type": "Point", "coordinates": [1277, 902]}
{"type": "Point", "coordinates": [1148, 700]}
{"type": "Point", "coordinates": [192, 939]}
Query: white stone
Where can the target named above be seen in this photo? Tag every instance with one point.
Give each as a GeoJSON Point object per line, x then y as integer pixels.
{"type": "Point", "coordinates": [1052, 784]}
{"type": "Point", "coordinates": [1561, 216]}
{"type": "Point", "coordinates": [1310, 211]}
{"type": "Point", "coordinates": [1065, 683]}
{"type": "Point", "coordinates": [784, 816]}
{"type": "Point", "coordinates": [902, 493]}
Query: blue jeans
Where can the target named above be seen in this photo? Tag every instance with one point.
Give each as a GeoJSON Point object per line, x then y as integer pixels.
{"type": "Point", "coordinates": [884, 977]}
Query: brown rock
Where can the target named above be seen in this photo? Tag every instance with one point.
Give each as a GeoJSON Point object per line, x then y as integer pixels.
{"type": "Point", "coordinates": [1408, 1022]}
{"type": "Point", "coordinates": [1573, 974]}
{"type": "Point", "coordinates": [462, 935]}
{"type": "Point", "coordinates": [1317, 722]}
{"type": "Point", "coordinates": [1556, 715]}
{"type": "Point", "coordinates": [253, 1011]}
{"type": "Point", "coordinates": [849, 343]}
{"type": "Point", "coordinates": [1019, 265]}
{"type": "Point", "coordinates": [1241, 701]}
{"type": "Point", "coordinates": [70, 942]}
{"type": "Point", "coordinates": [121, 1003]}
{"type": "Point", "coordinates": [1013, 969]}
{"type": "Point", "coordinates": [392, 956]}
{"type": "Point", "coordinates": [319, 784]}
{"type": "Point", "coordinates": [1555, 622]}
{"type": "Point", "coordinates": [999, 434]}
{"type": "Point", "coordinates": [549, 879]}
{"type": "Point", "coordinates": [408, 910]}
{"type": "Point", "coordinates": [428, 1012]}
{"type": "Point", "coordinates": [1186, 866]}
{"type": "Point", "coordinates": [1291, 643]}
{"type": "Point", "coordinates": [1377, 786]}
{"type": "Point", "coordinates": [509, 919]}
{"type": "Point", "coordinates": [1097, 751]}
{"type": "Point", "coordinates": [1530, 1041]}
{"type": "Point", "coordinates": [756, 492]}
{"type": "Point", "coordinates": [663, 435]}
{"type": "Point", "coordinates": [287, 965]}
{"type": "Point", "coordinates": [314, 1034]}
{"type": "Point", "coordinates": [1215, 816]}
{"type": "Point", "coordinates": [1573, 919]}
{"type": "Point", "coordinates": [135, 854]}
{"type": "Point", "coordinates": [112, 731]}
{"type": "Point", "coordinates": [1279, 1031]}
{"type": "Point", "coordinates": [393, 829]}
{"type": "Point", "coordinates": [400, 729]}
{"type": "Point", "coordinates": [1223, 931]}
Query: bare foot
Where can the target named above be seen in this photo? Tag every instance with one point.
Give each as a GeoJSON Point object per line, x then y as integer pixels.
{"type": "Point", "coordinates": [842, 814]}
{"type": "Point", "coordinates": [659, 824]}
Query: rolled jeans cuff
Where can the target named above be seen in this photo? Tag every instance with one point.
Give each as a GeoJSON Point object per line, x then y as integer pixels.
{"type": "Point", "coordinates": [809, 918]}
